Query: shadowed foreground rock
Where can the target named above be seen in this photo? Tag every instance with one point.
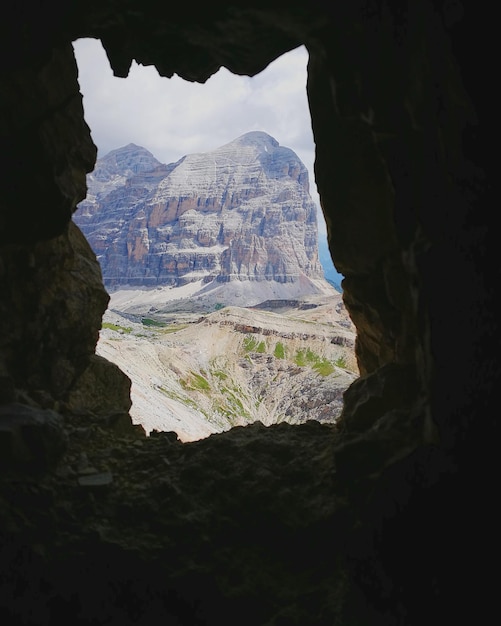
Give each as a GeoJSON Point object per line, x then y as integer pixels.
{"type": "Point", "coordinates": [228, 526]}
{"type": "Point", "coordinates": [255, 524]}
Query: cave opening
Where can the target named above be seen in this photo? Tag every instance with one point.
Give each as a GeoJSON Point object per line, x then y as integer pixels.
{"type": "Point", "coordinates": [171, 118]}
{"type": "Point", "coordinates": [291, 528]}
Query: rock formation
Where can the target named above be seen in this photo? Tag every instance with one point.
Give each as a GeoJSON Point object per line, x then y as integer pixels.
{"type": "Point", "coordinates": [234, 366]}
{"type": "Point", "coordinates": [388, 519]}
{"type": "Point", "coordinates": [239, 213]}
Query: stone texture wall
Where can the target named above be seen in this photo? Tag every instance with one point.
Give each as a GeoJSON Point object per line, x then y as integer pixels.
{"type": "Point", "coordinates": [51, 311]}
{"type": "Point", "coordinates": [45, 143]}
{"type": "Point", "coordinates": [402, 116]}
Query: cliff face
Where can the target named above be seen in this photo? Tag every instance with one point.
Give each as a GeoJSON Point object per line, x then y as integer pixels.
{"type": "Point", "coordinates": [241, 212]}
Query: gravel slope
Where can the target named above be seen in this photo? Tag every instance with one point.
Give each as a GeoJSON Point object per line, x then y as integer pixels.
{"type": "Point", "coordinates": [200, 375]}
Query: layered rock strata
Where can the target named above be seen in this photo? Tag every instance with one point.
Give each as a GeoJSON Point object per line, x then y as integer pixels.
{"type": "Point", "coordinates": [234, 367]}
{"type": "Point", "coordinates": [239, 213]}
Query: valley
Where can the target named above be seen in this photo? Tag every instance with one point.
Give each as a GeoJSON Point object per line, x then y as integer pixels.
{"type": "Point", "coordinates": [201, 374]}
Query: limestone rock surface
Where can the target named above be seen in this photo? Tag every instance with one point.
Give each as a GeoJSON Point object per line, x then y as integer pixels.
{"type": "Point", "coordinates": [241, 213]}
{"type": "Point", "coordinates": [233, 367]}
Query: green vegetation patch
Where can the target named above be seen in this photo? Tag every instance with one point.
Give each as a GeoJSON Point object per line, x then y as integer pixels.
{"type": "Point", "coordinates": [306, 357]}
{"type": "Point", "coordinates": [300, 358]}
{"type": "Point", "coordinates": [195, 382]}
{"type": "Point", "coordinates": [250, 344]}
{"type": "Point", "coordinates": [179, 398]}
{"type": "Point", "coordinates": [324, 367]}
{"type": "Point", "coordinates": [116, 327]}
{"type": "Point", "coordinates": [220, 374]}
{"type": "Point", "coordinates": [147, 321]}
{"type": "Point", "coordinates": [279, 352]}
{"type": "Point", "coordinates": [341, 362]}
{"type": "Point", "coordinates": [231, 407]}
{"type": "Point", "coordinates": [173, 328]}
{"type": "Point", "coordinates": [320, 364]}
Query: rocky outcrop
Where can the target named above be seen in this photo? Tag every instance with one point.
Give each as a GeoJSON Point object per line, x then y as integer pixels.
{"type": "Point", "coordinates": [101, 380]}
{"type": "Point", "coordinates": [30, 437]}
{"type": "Point", "coordinates": [232, 367]}
{"type": "Point", "coordinates": [239, 213]}
{"type": "Point", "coordinates": [45, 352]}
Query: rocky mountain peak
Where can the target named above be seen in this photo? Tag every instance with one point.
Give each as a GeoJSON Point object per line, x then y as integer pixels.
{"type": "Point", "coordinates": [255, 138]}
{"type": "Point", "coordinates": [125, 161]}
{"type": "Point", "coordinates": [239, 213]}
{"type": "Point", "coordinates": [276, 161]}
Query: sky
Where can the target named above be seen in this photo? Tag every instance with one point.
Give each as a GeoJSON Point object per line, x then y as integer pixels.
{"type": "Point", "coordinates": [172, 117]}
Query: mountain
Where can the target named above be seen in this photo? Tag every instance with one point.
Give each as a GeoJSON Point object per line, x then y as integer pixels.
{"type": "Point", "coordinates": [236, 223]}
{"type": "Point", "coordinates": [186, 249]}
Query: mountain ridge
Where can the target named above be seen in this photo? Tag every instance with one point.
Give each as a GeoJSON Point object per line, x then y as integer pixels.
{"type": "Point", "coordinates": [239, 213]}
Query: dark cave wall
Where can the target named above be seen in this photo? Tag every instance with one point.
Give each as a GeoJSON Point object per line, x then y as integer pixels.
{"type": "Point", "coordinates": [51, 310]}
{"type": "Point", "coordinates": [46, 145]}
{"type": "Point", "coordinates": [399, 119]}
{"type": "Point", "coordinates": [52, 293]}
{"type": "Point", "coordinates": [402, 121]}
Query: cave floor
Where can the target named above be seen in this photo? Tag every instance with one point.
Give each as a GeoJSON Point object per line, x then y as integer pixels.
{"type": "Point", "coordinates": [245, 522]}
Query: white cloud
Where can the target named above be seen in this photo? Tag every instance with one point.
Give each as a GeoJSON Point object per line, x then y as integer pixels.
{"type": "Point", "coordinates": [173, 117]}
